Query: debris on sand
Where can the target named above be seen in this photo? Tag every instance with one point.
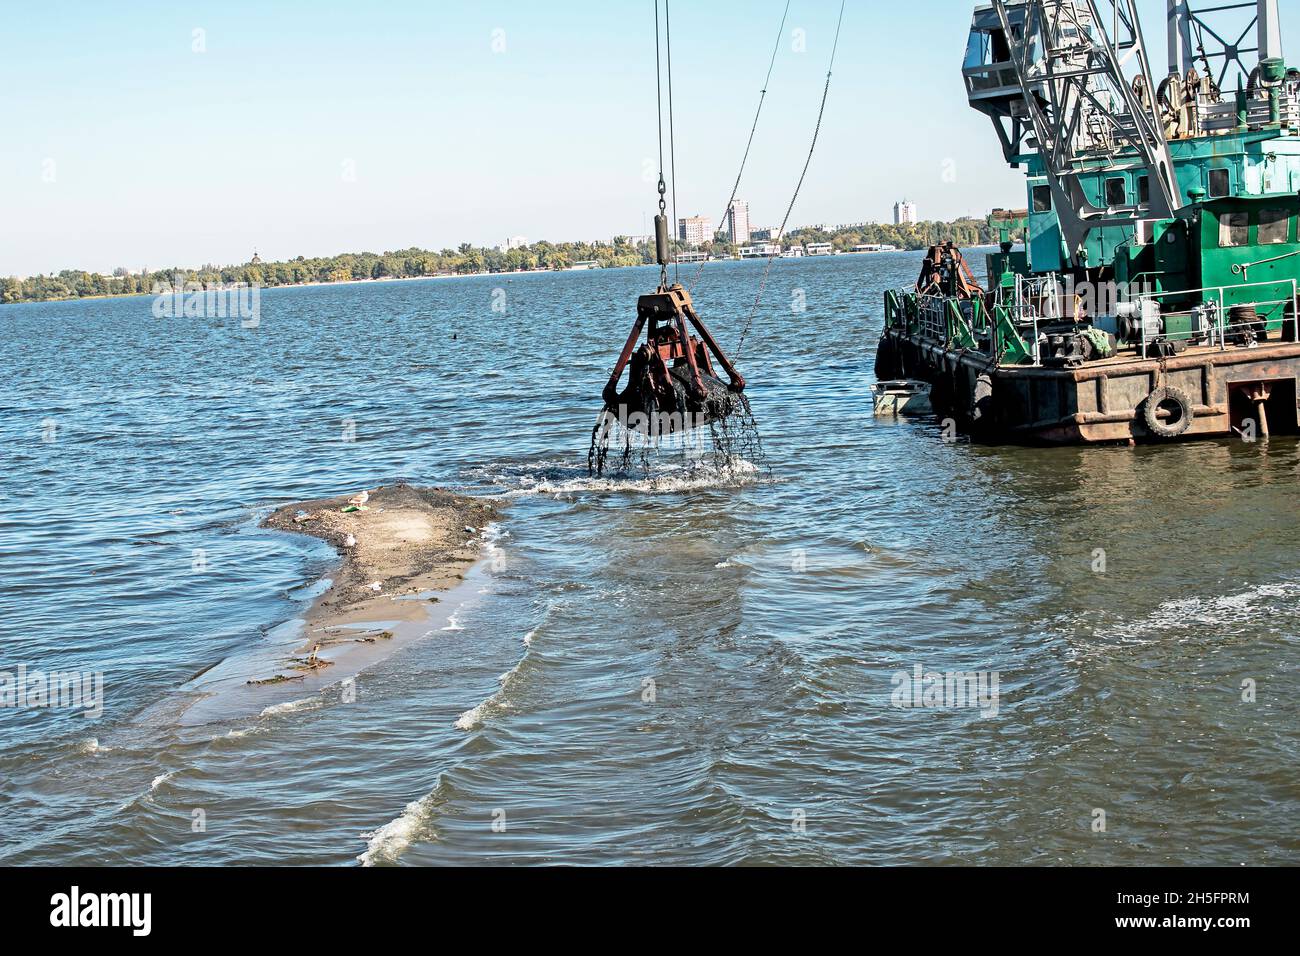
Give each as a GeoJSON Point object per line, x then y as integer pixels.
{"type": "Point", "coordinates": [311, 664]}
{"type": "Point", "coordinates": [277, 679]}
{"type": "Point", "coordinates": [396, 543]}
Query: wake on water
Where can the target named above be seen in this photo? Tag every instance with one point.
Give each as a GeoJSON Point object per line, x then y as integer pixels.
{"type": "Point", "coordinates": [730, 456]}
{"type": "Point", "coordinates": [561, 478]}
{"type": "Point", "coordinates": [390, 841]}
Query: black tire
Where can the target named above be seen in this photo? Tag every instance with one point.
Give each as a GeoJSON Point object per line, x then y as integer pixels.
{"type": "Point", "coordinates": [886, 359]}
{"type": "Point", "coordinates": [941, 394]}
{"type": "Point", "coordinates": [903, 363]}
{"type": "Point", "coordinates": [1174, 401]}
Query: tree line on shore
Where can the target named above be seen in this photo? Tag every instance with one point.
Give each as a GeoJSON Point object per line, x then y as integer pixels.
{"type": "Point", "coordinates": [466, 260]}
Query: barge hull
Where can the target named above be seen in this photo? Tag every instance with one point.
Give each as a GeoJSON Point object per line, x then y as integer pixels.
{"type": "Point", "coordinates": [1103, 401]}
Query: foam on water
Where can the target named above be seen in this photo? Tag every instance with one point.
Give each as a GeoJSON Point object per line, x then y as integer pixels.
{"type": "Point", "coordinates": [472, 717]}
{"type": "Point", "coordinates": [475, 716]}
{"type": "Point", "coordinates": [1206, 611]}
{"type": "Point", "coordinates": [386, 844]}
{"type": "Point", "coordinates": [237, 733]}
{"type": "Point", "coordinates": [563, 480]}
{"type": "Point", "coordinates": [292, 706]}
{"type": "Point", "coordinates": [147, 796]}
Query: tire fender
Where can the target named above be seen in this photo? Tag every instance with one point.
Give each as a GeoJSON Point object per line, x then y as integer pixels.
{"type": "Point", "coordinates": [1164, 396]}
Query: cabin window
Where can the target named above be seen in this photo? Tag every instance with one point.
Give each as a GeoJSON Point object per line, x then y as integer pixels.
{"type": "Point", "coordinates": [1234, 229]}
{"type": "Point", "coordinates": [1144, 190]}
{"type": "Point", "coordinates": [1042, 199]}
{"type": "Point", "coordinates": [977, 51]}
{"type": "Point", "coordinates": [1274, 226]}
{"type": "Point", "coordinates": [1219, 183]}
{"type": "Point", "coordinates": [1116, 192]}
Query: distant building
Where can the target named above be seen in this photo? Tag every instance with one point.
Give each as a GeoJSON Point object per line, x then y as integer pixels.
{"type": "Point", "coordinates": [905, 213]}
{"type": "Point", "coordinates": [516, 242]}
{"type": "Point", "coordinates": [763, 250]}
{"type": "Point", "coordinates": [820, 249]}
{"type": "Point", "coordinates": [692, 257]}
{"type": "Point", "coordinates": [765, 234]}
{"type": "Point", "coordinates": [738, 222]}
{"type": "Point", "coordinates": [695, 231]}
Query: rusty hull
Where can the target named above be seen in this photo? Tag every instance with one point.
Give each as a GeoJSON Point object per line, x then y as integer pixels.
{"type": "Point", "coordinates": [1102, 401]}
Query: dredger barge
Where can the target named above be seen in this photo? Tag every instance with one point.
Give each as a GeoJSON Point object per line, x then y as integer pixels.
{"type": "Point", "coordinates": [1155, 294]}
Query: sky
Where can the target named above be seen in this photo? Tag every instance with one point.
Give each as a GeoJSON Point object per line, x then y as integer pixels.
{"type": "Point", "coordinates": [152, 135]}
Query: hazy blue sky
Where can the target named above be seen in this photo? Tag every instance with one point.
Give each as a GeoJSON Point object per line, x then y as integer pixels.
{"type": "Point", "coordinates": [160, 155]}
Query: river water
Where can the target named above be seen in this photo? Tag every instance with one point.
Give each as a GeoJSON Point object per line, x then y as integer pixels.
{"type": "Point", "coordinates": [680, 671]}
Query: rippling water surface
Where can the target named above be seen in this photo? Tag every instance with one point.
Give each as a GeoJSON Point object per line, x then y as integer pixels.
{"type": "Point", "coordinates": [681, 672]}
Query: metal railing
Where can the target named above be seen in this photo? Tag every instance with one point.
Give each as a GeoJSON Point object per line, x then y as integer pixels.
{"type": "Point", "coordinates": [1217, 310]}
{"type": "Point", "coordinates": [932, 317]}
{"type": "Point", "coordinates": [1047, 289]}
{"type": "Point", "coordinates": [966, 324]}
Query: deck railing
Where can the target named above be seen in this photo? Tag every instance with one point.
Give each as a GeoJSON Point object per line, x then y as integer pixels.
{"type": "Point", "coordinates": [968, 324]}
{"type": "Point", "coordinates": [961, 323]}
{"type": "Point", "coordinates": [1214, 310]}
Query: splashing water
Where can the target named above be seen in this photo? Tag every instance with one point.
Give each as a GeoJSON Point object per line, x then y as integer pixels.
{"type": "Point", "coordinates": [720, 433]}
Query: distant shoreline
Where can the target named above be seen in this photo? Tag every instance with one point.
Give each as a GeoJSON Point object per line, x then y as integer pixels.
{"type": "Point", "coordinates": [472, 275]}
{"type": "Point", "coordinates": [622, 252]}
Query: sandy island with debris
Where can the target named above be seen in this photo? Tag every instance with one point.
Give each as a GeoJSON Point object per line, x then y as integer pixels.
{"type": "Point", "coordinates": [400, 545]}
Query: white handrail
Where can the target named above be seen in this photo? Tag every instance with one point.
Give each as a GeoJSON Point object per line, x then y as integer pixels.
{"type": "Point", "coordinates": [1221, 327]}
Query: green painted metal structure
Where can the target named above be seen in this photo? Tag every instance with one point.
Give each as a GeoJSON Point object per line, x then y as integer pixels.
{"type": "Point", "coordinates": [1202, 304]}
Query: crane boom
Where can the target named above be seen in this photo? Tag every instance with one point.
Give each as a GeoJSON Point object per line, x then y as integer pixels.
{"type": "Point", "coordinates": [1087, 93]}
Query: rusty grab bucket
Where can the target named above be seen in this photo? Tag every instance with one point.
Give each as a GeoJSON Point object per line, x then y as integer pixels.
{"type": "Point", "coordinates": [672, 382]}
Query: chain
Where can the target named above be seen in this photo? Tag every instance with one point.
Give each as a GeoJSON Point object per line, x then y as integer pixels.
{"type": "Point", "coordinates": [663, 214]}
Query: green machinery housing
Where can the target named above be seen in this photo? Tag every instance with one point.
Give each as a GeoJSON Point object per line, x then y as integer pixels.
{"type": "Point", "coordinates": [1229, 242]}
{"type": "Point", "coordinates": [1160, 227]}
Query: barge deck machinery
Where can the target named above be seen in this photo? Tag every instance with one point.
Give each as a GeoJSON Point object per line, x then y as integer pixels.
{"type": "Point", "coordinates": [1156, 292]}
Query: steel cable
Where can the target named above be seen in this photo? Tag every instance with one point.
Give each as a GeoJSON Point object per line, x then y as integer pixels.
{"type": "Point", "coordinates": [767, 81]}
{"type": "Point", "coordinates": [821, 112]}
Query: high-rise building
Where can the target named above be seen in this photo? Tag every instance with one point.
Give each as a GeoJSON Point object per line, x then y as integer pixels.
{"type": "Point", "coordinates": [905, 213]}
{"type": "Point", "coordinates": [516, 242]}
{"type": "Point", "coordinates": [695, 231]}
{"type": "Point", "coordinates": [738, 222]}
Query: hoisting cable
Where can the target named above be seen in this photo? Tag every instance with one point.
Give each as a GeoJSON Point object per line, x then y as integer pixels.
{"type": "Point", "coordinates": [821, 112]}
{"type": "Point", "coordinates": [672, 135]}
{"type": "Point", "coordinates": [780, 35]}
{"type": "Point", "coordinates": [659, 116]}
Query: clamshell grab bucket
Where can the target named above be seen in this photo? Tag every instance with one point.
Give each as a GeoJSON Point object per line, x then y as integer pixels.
{"type": "Point", "coordinates": [672, 383]}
